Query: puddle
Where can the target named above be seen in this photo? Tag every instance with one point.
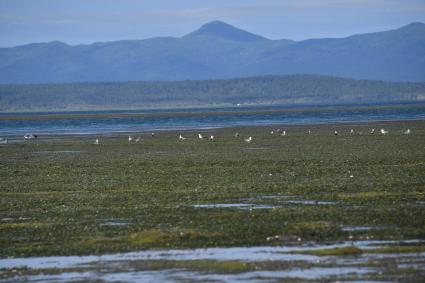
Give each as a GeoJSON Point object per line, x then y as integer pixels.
{"type": "Point", "coordinates": [256, 148]}
{"type": "Point", "coordinates": [280, 199]}
{"type": "Point", "coordinates": [115, 222]}
{"type": "Point", "coordinates": [157, 152]}
{"type": "Point", "coordinates": [20, 218]}
{"type": "Point", "coordinates": [356, 228]}
{"type": "Point", "coordinates": [277, 263]}
{"type": "Point", "coordinates": [309, 202]}
{"type": "Point", "coordinates": [57, 152]}
{"type": "Point", "coordinates": [236, 205]}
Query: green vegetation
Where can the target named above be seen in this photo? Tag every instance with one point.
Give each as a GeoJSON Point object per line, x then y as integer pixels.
{"type": "Point", "coordinates": [397, 249]}
{"type": "Point", "coordinates": [352, 250]}
{"type": "Point", "coordinates": [287, 90]}
{"type": "Point", "coordinates": [64, 195]}
{"type": "Point", "coordinates": [335, 251]}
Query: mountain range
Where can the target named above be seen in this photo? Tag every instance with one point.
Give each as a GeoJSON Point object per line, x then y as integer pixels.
{"type": "Point", "coordinates": [220, 51]}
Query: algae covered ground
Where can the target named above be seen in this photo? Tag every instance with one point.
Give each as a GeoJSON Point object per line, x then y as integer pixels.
{"type": "Point", "coordinates": [63, 195]}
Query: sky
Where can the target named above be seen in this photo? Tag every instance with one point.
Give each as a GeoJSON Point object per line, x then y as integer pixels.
{"type": "Point", "coordinates": [88, 21]}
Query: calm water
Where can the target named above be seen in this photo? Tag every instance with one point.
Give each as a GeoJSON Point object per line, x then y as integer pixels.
{"type": "Point", "coordinates": [196, 121]}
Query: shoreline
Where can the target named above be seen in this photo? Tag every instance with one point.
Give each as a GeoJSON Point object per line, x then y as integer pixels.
{"type": "Point", "coordinates": [330, 125]}
{"type": "Point", "coordinates": [200, 112]}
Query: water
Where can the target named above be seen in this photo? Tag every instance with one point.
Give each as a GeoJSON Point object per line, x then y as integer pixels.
{"type": "Point", "coordinates": [278, 263]}
{"type": "Point", "coordinates": [194, 119]}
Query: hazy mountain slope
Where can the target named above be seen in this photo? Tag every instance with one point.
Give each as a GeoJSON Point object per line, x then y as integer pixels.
{"type": "Point", "coordinates": [293, 89]}
{"type": "Point", "coordinates": [397, 55]}
{"type": "Point", "coordinates": [217, 51]}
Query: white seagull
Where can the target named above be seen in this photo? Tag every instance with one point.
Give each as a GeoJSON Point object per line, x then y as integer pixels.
{"type": "Point", "coordinates": [236, 135]}
{"type": "Point", "coordinates": [283, 133]}
{"type": "Point", "coordinates": [384, 132]}
{"type": "Point", "coordinates": [200, 136]}
{"type": "Point", "coordinates": [248, 140]}
{"type": "Point", "coordinates": [407, 132]}
{"type": "Point", "coordinates": [138, 139]}
{"type": "Point", "coordinates": [96, 142]}
{"type": "Point", "coordinates": [30, 136]}
{"type": "Point", "coordinates": [130, 139]}
{"type": "Point", "coordinates": [211, 138]}
{"type": "Point", "coordinates": [372, 131]}
{"type": "Point", "coordinates": [3, 141]}
{"type": "Point", "coordinates": [181, 138]}
{"type": "Point", "coordinates": [335, 133]}
{"type": "Point", "coordinates": [351, 132]}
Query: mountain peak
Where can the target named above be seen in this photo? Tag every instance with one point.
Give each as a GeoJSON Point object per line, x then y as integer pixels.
{"type": "Point", "coordinates": [223, 30]}
{"type": "Point", "coordinates": [416, 26]}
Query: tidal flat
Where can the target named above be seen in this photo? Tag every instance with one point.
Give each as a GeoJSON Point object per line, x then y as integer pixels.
{"type": "Point", "coordinates": [307, 197]}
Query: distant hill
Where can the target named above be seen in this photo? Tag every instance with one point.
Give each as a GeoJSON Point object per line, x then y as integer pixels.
{"type": "Point", "coordinates": [282, 90]}
{"type": "Point", "coordinates": [220, 51]}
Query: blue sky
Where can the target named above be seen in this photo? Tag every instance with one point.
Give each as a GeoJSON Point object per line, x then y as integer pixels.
{"type": "Point", "coordinates": [87, 21]}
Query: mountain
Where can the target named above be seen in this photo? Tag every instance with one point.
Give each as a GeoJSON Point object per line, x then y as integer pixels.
{"type": "Point", "coordinates": [221, 30]}
{"type": "Point", "coordinates": [277, 90]}
{"type": "Point", "coordinates": [220, 51]}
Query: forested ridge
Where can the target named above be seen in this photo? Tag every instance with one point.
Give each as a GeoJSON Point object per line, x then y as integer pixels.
{"type": "Point", "coordinates": [290, 90]}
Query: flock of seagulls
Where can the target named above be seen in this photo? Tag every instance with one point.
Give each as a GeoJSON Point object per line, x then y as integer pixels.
{"type": "Point", "coordinates": [200, 137]}
{"type": "Point", "coordinates": [249, 139]}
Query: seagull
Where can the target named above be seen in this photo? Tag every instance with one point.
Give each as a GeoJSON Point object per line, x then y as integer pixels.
{"type": "Point", "coordinates": [236, 135]}
{"type": "Point", "coordinates": [30, 136]}
{"type": "Point", "coordinates": [96, 142]}
{"type": "Point", "coordinates": [248, 140]}
{"type": "Point", "coordinates": [384, 132]}
{"type": "Point", "coordinates": [3, 141]}
{"type": "Point", "coordinates": [152, 134]}
{"type": "Point", "coordinates": [130, 138]}
{"type": "Point", "coordinates": [211, 138]}
{"type": "Point", "coordinates": [272, 133]}
{"type": "Point", "coordinates": [335, 132]}
{"type": "Point", "coordinates": [200, 136]}
{"type": "Point", "coordinates": [309, 132]}
{"type": "Point", "coordinates": [283, 133]}
{"type": "Point", "coordinates": [138, 139]}
{"type": "Point", "coordinates": [407, 132]}
{"type": "Point", "coordinates": [181, 138]}
{"type": "Point", "coordinates": [351, 132]}
{"type": "Point", "coordinates": [372, 131]}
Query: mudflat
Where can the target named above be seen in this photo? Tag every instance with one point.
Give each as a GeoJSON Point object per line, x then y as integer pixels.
{"type": "Point", "coordinates": [65, 195]}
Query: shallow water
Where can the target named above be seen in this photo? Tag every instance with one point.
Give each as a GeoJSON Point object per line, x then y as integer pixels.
{"type": "Point", "coordinates": [193, 120]}
{"type": "Point", "coordinates": [236, 205]}
{"type": "Point", "coordinates": [294, 264]}
{"type": "Point", "coordinates": [356, 228]}
{"type": "Point", "coordinates": [57, 152]}
{"type": "Point", "coordinates": [115, 222]}
{"type": "Point", "coordinates": [309, 202]}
